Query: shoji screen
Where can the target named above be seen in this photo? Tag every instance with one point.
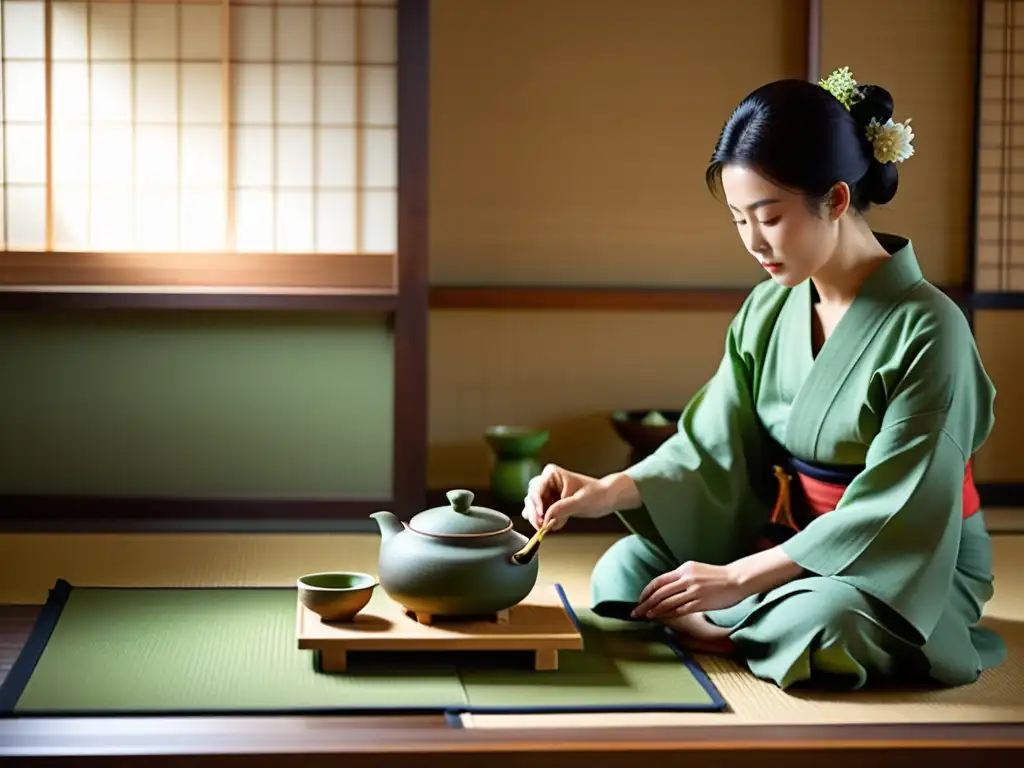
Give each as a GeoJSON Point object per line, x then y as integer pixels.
{"type": "Point", "coordinates": [1000, 204]}
{"type": "Point", "coordinates": [199, 126]}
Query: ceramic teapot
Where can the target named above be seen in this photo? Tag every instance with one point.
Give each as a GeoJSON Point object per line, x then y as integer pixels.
{"type": "Point", "coordinates": [458, 560]}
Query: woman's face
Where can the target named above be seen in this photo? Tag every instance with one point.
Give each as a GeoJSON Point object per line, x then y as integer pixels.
{"type": "Point", "coordinates": [777, 227]}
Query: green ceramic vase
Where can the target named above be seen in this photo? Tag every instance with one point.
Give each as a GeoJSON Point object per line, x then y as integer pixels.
{"type": "Point", "coordinates": [516, 462]}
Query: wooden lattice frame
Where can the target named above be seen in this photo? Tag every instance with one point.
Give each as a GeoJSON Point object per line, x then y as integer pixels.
{"type": "Point", "coordinates": [404, 299]}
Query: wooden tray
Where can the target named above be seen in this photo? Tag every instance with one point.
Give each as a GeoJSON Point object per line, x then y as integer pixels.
{"type": "Point", "coordinates": [540, 624]}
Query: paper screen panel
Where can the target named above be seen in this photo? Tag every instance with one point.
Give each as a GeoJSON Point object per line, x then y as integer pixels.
{"type": "Point", "coordinates": [1000, 210]}
{"type": "Point", "coordinates": [135, 148]}
{"type": "Point", "coordinates": [314, 127]}
{"type": "Point", "coordinates": [24, 124]}
{"type": "Point", "coordinates": [168, 126]}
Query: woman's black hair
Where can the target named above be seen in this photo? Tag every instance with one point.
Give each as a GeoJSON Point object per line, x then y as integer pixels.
{"type": "Point", "coordinates": [801, 137]}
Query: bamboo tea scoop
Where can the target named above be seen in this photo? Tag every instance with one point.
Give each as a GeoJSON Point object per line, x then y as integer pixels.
{"type": "Point", "coordinates": [525, 555]}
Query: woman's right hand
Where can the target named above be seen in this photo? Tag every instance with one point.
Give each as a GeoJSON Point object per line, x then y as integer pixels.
{"type": "Point", "coordinates": [560, 494]}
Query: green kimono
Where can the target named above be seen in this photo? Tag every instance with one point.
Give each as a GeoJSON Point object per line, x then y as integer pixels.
{"type": "Point", "coordinates": [894, 577]}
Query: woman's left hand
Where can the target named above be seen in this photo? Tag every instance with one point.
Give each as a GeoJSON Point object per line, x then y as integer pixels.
{"type": "Point", "coordinates": [690, 588]}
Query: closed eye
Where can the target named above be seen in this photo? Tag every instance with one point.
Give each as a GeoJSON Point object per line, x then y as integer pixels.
{"type": "Point", "coordinates": [771, 222]}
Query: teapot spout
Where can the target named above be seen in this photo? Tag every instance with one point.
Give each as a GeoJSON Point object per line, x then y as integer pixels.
{"type": "Point", "coordinates": [388, 524]}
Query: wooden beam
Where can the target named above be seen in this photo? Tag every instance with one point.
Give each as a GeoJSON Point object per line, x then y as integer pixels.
{"type": "Point", "coordinates": [376, 741]}
{"type": "Point", "coordinates": [592, 299]}
{"type": "Point", "coordinates": [412, 314]}
{"type": "Point", "coordinates": [441, 298]}
{"type": "Point", "coordinates": [244, 272]}
{"type": "Point", "coordinates": [93, 514]}
{"type": "Point", "coordinates": [998, 301]}
{"type": "Point", "coordinates": [452, 297]}
{"type": "Point", "coordinates": [814, 21]}
{"type": "Point", "coordinates": [49, 300]}
{"type": "Point", "coordinates": [1001, 494]}
{"type": "Point", "coordinates": [970, 277]}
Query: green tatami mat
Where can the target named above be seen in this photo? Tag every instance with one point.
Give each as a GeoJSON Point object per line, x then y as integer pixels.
{"type": "Point", "coordinates": [100, 651]}
{"type": "Point", "coordinates": [624, 666]}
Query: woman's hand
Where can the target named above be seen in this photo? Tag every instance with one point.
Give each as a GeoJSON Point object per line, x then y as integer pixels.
{"type": "Point", "coordinates": [697, 587]}
{"type": "Point", "coordinates": [690, 588]}
{"type": "Point", "coordinates": [559, 494]}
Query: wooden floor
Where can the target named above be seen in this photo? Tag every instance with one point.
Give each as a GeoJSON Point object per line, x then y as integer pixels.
{"type": "Point", "coordinates": [430, 740]}
{"type": "Point", "coordinates": [15, 625]}
{"type": "Point", "coordinates": [31, 566]}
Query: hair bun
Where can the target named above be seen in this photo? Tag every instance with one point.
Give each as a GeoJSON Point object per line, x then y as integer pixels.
{"type": "Point", "coordinates": [881, 181]}
{"type": "Point", "coordinates": [871, 101]}
{"type": "Point", "coordinates": [802, 136]}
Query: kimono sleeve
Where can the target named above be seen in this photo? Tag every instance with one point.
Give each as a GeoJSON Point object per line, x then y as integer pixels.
{"type": "Point", "coordinates": [695, 489]}
{"type": "Point", "coordinates": [895, 534]}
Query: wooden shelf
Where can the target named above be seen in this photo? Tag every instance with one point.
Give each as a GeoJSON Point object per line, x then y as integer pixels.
{"type": "Point", "coordinates": [383, 299]}
{"type": "Point", "coordinates": [452, 297]}
{"type": "Point", "coordinates": [38, 513]}
{"type": "Point", "coordinates": [49, 298]}
{"type": "Point", "coordinates": [998, 301]}
{"type": "Point", "coordinates": [220, 271]}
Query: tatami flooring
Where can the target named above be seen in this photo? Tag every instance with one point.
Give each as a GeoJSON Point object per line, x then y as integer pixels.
{"type": "Point", "coordinates": [33, 563]}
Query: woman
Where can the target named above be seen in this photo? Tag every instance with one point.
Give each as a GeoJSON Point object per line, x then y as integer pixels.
{"type": "Point", "coordinates": [815, 510]}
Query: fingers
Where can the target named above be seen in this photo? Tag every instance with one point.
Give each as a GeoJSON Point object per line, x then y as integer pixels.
{"type": "Point", "coordinates": [559, 512]}
{"type": "Point", "coordinates": [535, 498]}
{"type": "Point", "coordinates": [532, 505]}
{"type": "Point", "coordinates": [530, 512]}
{"type": "Point", "coordinates": [660, 589]}
{"type": "Point", "coordinates": [656, 584]}
{"type": "Point", "coordinates": [539, 490]}
{"type": "Point", "coordinates": [676, 605]}
{"type": "Point", "coordinates": [693, 605]}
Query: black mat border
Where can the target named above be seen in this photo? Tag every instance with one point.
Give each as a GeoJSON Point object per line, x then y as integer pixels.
{"type": "Point", "coordinates": [21, 672]}
{"type": "Point", "coordinates": [718, 703]}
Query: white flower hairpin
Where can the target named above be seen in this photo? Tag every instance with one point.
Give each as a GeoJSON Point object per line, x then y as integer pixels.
{"type": "Point", "coordinates": [892, 142]}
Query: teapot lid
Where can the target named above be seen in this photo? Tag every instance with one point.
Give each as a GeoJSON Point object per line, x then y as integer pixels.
{"type": "Point", "coordinates": [461, 518]}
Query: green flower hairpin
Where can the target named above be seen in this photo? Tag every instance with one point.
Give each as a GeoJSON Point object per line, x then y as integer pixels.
{"type": "Point", "coordinates": [891, 142]}
{"type": "Point", "coordinates": [841, 85]}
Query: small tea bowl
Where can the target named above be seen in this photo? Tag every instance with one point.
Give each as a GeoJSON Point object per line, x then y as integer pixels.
{"type": "Point", "coordinates": [336, 595]}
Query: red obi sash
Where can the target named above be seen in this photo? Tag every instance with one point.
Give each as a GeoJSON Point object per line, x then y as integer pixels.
{"type": "Point", "coordinates": [819, 491]}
